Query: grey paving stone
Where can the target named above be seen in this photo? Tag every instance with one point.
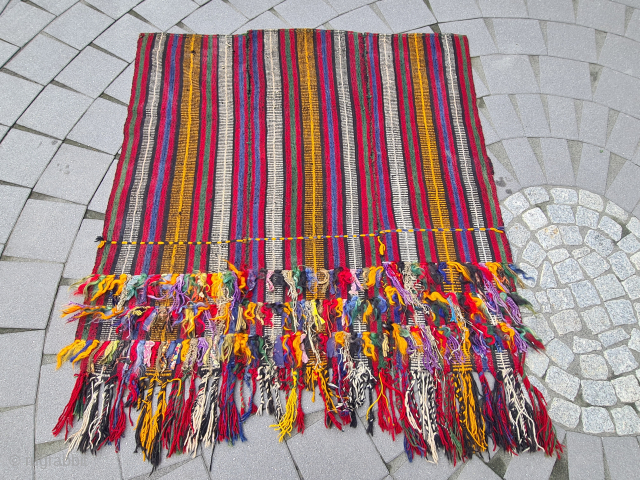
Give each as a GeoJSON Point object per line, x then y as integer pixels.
{"type": "Point", "coordinates": [634, 226]}
{"type": "Point", "coordinates": [42, 59]}
{"type": "Point", "coordinates": [571, 235]}
{"type": "Point", "coordinates": [562, 382]}
{"type": "Point", "coordinates": [557, 161]}
{"type": "Point", "coordinates": [265, 21]}
{"type": "Point", "coordinates": [598, 393]}
{"type": "Point", "coordinates": [541, 300]}
{"type": "Point", "coordinates": [503, 8]}
{"type": "Point", "coordinates": [621, 265]}
{"type": "Point", "coordinates": [490, 135]}
{"type": "Point", "coordinates": [536, 195]}
{"type": "Point", "coordinates": [618, 91]}
{"type": "Point", "coordinates": [530, 276]}
{"type": "Point", "coordinates": [193, 469]}
{"type": "Point", "coordinates": [77, 465]}
{"type": "Point", "coordinates": [558, 255]}
{"type": "Point", "coordinates": [518, 235]}
{"type": "Point", "coordinates": [517, 203]}
{"type": "Point", "coordinates": [24, 155]}
{"type": "Point", "coordinates": [626, 420]}
{"type": "Point", "coordinates": [585, 345]}
{"type": "Point", "coordinates": [54, 391]}
{"type": "Point", "coordinates": [621, 312]}
{"type": "Point", "coordinates": [100, 199]}
{"type": "Point", "coordinates": [503, 116]}
{"type": "Point", "coordinates": [45, 230]}
{"type": "Point", "coordinates": [560, 213]}
{"type": "Point", "coordinates": [547, 278]}
{"type": "Point", "coordinates": [609, 287]}
{"type": "Point", "coordinates": [564, 77]}
{"type": "Point", "coordinates": [419, 468]}
{"type": "Point", "coordinates": [165, 13]}
{"type": "Point", "coordinates": [571, 41]}
{"type": "Point", "coordinates": [83, 252]}
{"type": "Point", "coordinates": [475, 469]}
{"type": "Point", "coordinates": [589, 199]}
{"type": "Point", "coordinates": [540, 328]}
{"type": "Point", "coordinates": [101, 126]}
{"type": "Point", "coordinates": [17, 308]}
{"type": "Point", "coordinates": [585, 217]}
{"type": "Point", "coordinates": [6, 51]}
{"type": "Point", "coordinates": [79, 25]}
{"type": "Point", "coordinates": [584, 456]}
{"type": "Point", "coordinates": [534, 120]}
{"type": "Point", "coordinates": [555, 10]}
{"type": "Point", "coordinates": [596, 420]}
{"type": "Point", "coordinates": [596, 319]}
{"type": "Point", "coordinates": [506, 181]}
{"type": "Point", "coordinates": [55, 6]}
{"type": "Point", "coordinates": [563, 412]}
{"type": "Point", "coordinates": [509, 74]}
{"type": "Point", "coordinates": [562, 117]}
{"type": "Point", "coordinates": [560, 298]}
{"type": "Point", "coordinates": [623, 457]}
{"type": "Point", "coordinates": [342, 6]}
{"type": "Point", "coordinates": [634, 342]}
{"type": "Point", "coordinates": [580, 252]}
{"type": "Point", "coordinates": [627, 388]}
{"type": "Point", "coordinates": [598, 242]}
{"type": "Point", "coordinates": [55, 111]}
{"type": "Point", "coordinates": [121, 38]}
{"type": "Point", "coordinates": [623, 139]}
{"type": "Point", "coordinates": [91, 72]}
{"type": "Point", "coordinates": [560, 353]}
{"type": "Point", "coordinates": [537, 362]}
{"type": "Point", "coordinates": [585, 294]}
{"type": "Point", "coordinates": [20, 379]}
{"type": "Point", "coordinates": [633, 29]}
{"type": "Point", "coordinates": [74, 174]}
{"type": "Point", "coordinates": [363, 19]}
{"type": "Point", "coordinates": [632, 287]}
{"type": "Point", "coordinates": [307, 13]}
{"type": "Point", "coordinates": [534, 254]}
{"type": "Point", "coordinates": [114, 8]}
{"type": "Point", "coordinates": [253, 8]}
{"type": "Point", "coordinates": [593, 168]}
{"type": "Point", "coordinates": [405, 15]}
{"type": "Point", "coordinates": [564, 196]}
{"type": "Point", "coordinates": [20, 22]}
{"type": "Point", "coordinates": [616, 212]}
{"type": "Point", "coordinates": [15, 95]}
{"type": "Point", "coordinates": [524, 162]}
{"type": "Point", "coordinates": [535, 218]}
{"type": "Point", "coordinates": [120, 88]}
{"type": "Point", "coordinates": [60, 333]}
{"type": "Point", "coordinates": [568, 271]}
{"type": "Point", "coordinates": [12, 199]}
{"type": "Point", "coordinates": [593, 367]}
{"type": "Point", "coordinates": [446, 11]}
{"type": "Point", "coordinates": [16, 442]}
{"type": "Point", "coordinates": [532, 466]}
{"type": "Point", "coordinates": [593, 123]}
{"type": "Point", "coordinates": [625, 188]}
{"type": "Point", "coordinates": [612, 337]}
{"type": "Point", "coordinates": [480, 41]}
{"type": "Point", "coordinates": [519, 36]}
{"type": "Point", "coordinates": [214, 17]}
{"type": "Point", "coordinates": [594, 264]}
{"type": "Point", "coordinates": [311, 451]}
{"type": "Point", "coordinates": [601, 15]}
{"type": "Point", "coordinates": [621, 360]}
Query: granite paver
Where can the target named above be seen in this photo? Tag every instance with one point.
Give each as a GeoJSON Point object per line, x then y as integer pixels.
{"type": "Point", "coordinates": [79, 25]}
{"type": "Point", "coordinates": [20, 353]}
{"type": "Point", "coordinates": [15, 96]}
{"type": "Point", "coordinates": [24, 156]}
{"type": "Point", "coordinates": [584, 456]}
{"type": "Point", "coordinates": [101, 126]}
{"type": "Point", "coordinates": [12, 200]}
{"type": "Point", "coordinates": [16, 442]}
{"type": "Point", "coordinates": [42, 59]}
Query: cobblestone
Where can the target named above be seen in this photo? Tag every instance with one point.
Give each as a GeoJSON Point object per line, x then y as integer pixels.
{"type": "Point", "coordinates": [599, 393]}
{"type": "Point", "coordinates": [560, 353]}
{"type": "Point", "coordinates": [585, 294]}
{"type": "Point", "coordinates": [621, 360]}
{"type": "Point", "coordinates": [535, 218]}
{"type": "Point", "coordinates": [585, 217]}
{"type": "Point", "coordinates": [568, 271]}
{"type": "Point", "coordinates": [626, 420]}
{"type": "Point", "coordinates": [632, 287]}
{"type": "Point", "coordinates": [612, 337]}
{"type": "Point", "coordinates": [627, 388]}
{"type": "Point", "coordinates": [561, 214]}
{"type": "Point", "coordinates": [599, 243]}
{"type": "Point", "coordinates": [594, 264]}
{"type": "Point", "coordinates": [558, 255]}
{"type": "Point", "coordinates": [560, 298]}
{"type": "Point", "coordinates": [596, 420]}
{"type": "Point", "coordinates": [621, 312]}
{"type": "Point", "coordinates": [585, 345]}
{"type": "Point", "coordinates": [548, 237]}
{"type": "Point", "coordinates": [562, 382]}
{"type": "Point", "coordinates": [611, 228]}
{"type": "Point", "coordinates": [570, 235]}
{"type": "Point", "coordinates": [629, 244]}
{"type": "Point", "coordinates": [593, 367]}
{"type": "Point", "coordinates": [565, 413]}
{"type": "Point", "coordinates": [609, 287]}
{"type": "Point", "coordinates": [566, 321]}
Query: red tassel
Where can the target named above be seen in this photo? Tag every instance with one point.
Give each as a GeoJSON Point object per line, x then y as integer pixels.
{"type": "Point", "coordinates": [66, 418]}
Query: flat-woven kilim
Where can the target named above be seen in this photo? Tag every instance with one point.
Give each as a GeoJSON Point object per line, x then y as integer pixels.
{"type": "Point", "coordinates": [303, 210]}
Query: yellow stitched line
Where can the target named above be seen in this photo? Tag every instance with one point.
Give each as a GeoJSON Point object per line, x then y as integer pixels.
{"type": "Point", "coordinates": [314, 237]}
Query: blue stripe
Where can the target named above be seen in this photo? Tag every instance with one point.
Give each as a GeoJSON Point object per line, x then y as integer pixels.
{"type": "Point", "coordinates": [239, 210]}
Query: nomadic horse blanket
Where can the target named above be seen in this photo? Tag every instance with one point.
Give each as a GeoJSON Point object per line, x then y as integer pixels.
{"type": "Point", "coordinates": [302, 211]}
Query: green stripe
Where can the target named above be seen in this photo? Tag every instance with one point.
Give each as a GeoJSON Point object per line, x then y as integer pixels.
{"type": "Point", "coordinates": [293, 181]}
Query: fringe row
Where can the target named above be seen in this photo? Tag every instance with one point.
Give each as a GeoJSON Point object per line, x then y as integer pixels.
{"type": "Point", "coordinates": [197, 354]}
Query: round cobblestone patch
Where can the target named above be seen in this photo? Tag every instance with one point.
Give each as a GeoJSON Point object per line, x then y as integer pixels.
{"type": "Point", "coordinates": [580, 254]}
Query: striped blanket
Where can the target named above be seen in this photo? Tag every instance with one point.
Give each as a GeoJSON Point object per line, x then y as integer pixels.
{"type": "Point", "coordinates": [296, 211]}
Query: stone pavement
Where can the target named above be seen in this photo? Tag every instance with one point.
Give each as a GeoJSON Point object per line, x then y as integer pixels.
{"type": "Point", "coordinates": [558, 83]}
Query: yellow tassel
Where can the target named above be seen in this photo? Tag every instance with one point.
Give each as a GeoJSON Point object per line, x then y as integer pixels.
{"type": "Point", "coordinates": [88, 351]}
{"type": "Point", "coordinates": [381, 247]}
{"type": "Point", "coordinates": [369, 349]}
{"type": "Point", "coordinates": [285, 426]}
{"type": "Point", "coordinates": [69, 351]}
{"type": "Point", "coordinates": [401, 343]}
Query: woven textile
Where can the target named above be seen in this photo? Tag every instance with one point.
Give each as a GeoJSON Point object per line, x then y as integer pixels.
{"type": "Point", "coordinates": [296, 211]}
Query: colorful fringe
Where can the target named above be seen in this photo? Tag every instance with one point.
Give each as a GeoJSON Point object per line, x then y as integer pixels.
{"type": "Point", "coordinates": [335, 192]}
{"type": "Point", "coordinates": [443, 368]}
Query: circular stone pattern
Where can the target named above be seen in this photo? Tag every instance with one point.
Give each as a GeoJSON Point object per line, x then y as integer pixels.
{"type": "Point", "coordinates": [581, 256]}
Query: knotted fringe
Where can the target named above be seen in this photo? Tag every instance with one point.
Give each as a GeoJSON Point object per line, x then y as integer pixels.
{"type": "Point", "coordinates": [198, 354]}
